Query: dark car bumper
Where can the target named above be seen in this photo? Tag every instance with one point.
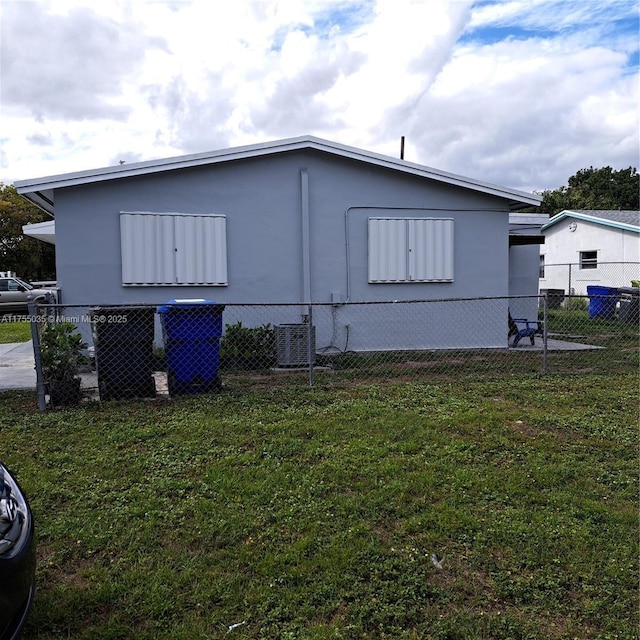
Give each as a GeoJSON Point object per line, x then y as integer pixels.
{"type": "Point", "coordinates": [17, 572]}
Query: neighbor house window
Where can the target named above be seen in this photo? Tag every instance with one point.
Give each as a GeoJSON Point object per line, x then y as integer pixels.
{"type": "Point", "coordinates": [410, 250]}
{"type": "Point", "coordinates": [588, 259]}
{"type": "Point", "coordinates": [173, 249]}
{"type": "Point", "coordinates": [541, 268]}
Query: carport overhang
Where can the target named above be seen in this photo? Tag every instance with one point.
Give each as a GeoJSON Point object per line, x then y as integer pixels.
{"type": "Point", "coordinates": [44, 231]}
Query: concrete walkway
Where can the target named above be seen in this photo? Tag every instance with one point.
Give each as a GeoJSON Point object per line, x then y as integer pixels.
{"type": "Point", "coordinates": [17, 367]}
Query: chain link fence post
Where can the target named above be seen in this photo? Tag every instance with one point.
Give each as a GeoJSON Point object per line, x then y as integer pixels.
{"type": "Point", "coordinates": [545, 307]}
{"type": "Point", "coordinates": [34, 318]}
{"type": "Point", "coordinates": [311, 347]}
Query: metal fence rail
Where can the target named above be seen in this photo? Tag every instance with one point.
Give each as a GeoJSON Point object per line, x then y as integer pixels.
{"type": "Point", "coordinates": [143, 351]}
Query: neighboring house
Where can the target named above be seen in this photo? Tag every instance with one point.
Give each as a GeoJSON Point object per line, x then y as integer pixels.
{"type": "Point", "coordinates": [295, 221]}
{"type": "Point", "coordinates": [586, 247]}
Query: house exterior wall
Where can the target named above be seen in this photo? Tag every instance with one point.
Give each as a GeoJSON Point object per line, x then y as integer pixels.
{"type": "Point", "coordinates": [262, 199]}
{"type": "Point", "coordinates": [523, 267]}
{"type": "Point", "coordinates": [563, 246]}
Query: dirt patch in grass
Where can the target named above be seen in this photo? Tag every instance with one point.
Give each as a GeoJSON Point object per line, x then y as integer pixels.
{"type": "Point", "coordinates": [525, 429]}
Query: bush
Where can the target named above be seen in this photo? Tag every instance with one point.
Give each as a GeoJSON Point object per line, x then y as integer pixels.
{"type": "Point", "coordinates": [248, 347]}
{"type": "Point", "coordinates": [576, 303]}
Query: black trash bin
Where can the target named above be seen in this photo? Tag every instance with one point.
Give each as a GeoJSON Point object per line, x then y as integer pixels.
{"type": "Point", "coordinates": [555, 297]}
{"type": "Point", "coordinates": [629, 304]}
{"type": "Point", "coordinates": [192, 330]}
{"type": "Point", "coordinates": [123, 341]}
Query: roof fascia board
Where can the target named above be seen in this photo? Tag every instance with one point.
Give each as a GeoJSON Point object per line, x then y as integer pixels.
{"type": "Point", "coordinates": [517, 199]}
{"type": "Point", "coordinates": [594, 219]}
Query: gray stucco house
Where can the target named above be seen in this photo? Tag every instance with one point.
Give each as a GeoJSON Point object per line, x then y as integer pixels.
{"type": "Point", "coordinates": [295, 221]}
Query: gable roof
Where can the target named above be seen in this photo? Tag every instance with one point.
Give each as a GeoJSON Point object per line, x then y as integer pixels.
{"type": "Point", "coordinates": [40, 191]}
{"type": "Point", "coordinates": [619, 219]}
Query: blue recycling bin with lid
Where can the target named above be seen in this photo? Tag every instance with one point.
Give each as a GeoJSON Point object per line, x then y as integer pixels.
{"type": "Point", "coordinates": [191, 330]}
{"type": "Point", "coordinates": [602, 301]}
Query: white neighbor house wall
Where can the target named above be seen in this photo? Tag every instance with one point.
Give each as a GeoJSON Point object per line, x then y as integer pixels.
{"type": "Point", "coordinates": [564, 245]}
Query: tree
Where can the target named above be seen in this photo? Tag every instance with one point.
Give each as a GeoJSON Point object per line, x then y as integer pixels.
{"type": "Point", "coordinates": [31, 259]}
{"type": "Point", "coordinates": [595, 189]}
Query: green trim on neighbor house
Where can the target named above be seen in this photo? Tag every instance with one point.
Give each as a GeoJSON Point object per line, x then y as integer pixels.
{"type": "Point", "coordinates": [616, 219]}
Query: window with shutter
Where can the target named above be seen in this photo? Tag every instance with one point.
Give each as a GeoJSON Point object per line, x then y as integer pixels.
{"type": "Point", "coordinates": [173, 249]}
{"type": "Point", "coordinates": [410, 250]}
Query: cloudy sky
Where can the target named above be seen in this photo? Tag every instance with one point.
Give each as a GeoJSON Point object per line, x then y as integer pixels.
{"type": "Point", "coordinates": [521, 93]}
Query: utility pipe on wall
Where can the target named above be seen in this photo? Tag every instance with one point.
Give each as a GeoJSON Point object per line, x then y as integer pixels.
{"type": "Point", "coordinates": [306, 258]}
{"type": "Point", "coordinates": [306, 265]}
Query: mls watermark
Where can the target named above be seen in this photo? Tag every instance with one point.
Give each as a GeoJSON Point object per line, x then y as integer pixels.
{"type": "Point", "coordinates": [49, 319]}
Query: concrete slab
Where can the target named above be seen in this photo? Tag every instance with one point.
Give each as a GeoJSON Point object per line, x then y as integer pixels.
{"type": "Point", "coordinates": [552, 345]}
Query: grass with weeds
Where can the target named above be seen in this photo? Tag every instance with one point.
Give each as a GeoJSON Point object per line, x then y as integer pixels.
{"type": "Point", "coordinates": [14, 331]}
{"type": "Point", "coordinates": [314, 512]}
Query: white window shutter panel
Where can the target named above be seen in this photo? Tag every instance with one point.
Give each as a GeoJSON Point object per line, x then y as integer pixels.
{"type": "Point", "coordinates": [387, 250]}
{"type": "Point", "coordinates": [128, 241]}
{"type": "Point", "coordinates": [164, 268]}
{"type": "Point", "coordinates": [431, 249]}
{"type": "Point", "coordinates": [187, 249]}
{"type": "Point", "coordinates": [217, 250]}
{"type": "Point", "coordinates": [201, 256]}
{"type": "Point", "coordinates": [145, 241]}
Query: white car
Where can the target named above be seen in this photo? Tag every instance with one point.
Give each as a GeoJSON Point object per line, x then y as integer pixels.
{"type": "Point", "coordinates": [15, 294]}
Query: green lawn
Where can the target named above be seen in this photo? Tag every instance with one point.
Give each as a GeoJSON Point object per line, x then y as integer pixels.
{"type": "Point", "coordinates": [14, 331]}
{"type": "Point", "coordinates": [313, 512]}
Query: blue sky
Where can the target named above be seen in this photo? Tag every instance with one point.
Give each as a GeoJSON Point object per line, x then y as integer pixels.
{"type": "Point", "coordinates": [521, 93]}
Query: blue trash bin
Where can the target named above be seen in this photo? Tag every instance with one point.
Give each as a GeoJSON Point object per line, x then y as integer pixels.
{"type": "Point", "coordinates": [191, 331]}
{"type": "Point", "coordinates": [602, 301]}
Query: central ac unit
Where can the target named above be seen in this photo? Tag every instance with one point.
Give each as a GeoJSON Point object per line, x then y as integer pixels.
{"type": "Point", "coordinates": [295, 344]}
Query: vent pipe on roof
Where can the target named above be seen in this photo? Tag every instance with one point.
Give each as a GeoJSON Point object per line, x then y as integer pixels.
{"type": "Point", "coordinates": [402, 148]}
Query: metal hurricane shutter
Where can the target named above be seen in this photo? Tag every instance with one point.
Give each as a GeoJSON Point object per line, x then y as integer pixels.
{"type": "Point", "coordinates": [146, 241]}
{"type": "Point", "coordinates": [387, 250]}
{"type": "Point", "coordinates": [431, 249]}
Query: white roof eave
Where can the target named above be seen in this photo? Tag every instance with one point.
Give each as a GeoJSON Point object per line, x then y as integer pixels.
{"type": "Point", "coordinates": [44, 231]}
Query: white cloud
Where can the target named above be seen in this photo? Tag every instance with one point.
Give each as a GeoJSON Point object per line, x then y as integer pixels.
{"type": "Point", "coordinates": [520, 92]}
{"type": "Point", "coordinates": [67, 66]}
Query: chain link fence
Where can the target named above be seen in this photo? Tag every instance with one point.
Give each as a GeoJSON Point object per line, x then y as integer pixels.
{"type": "Point", "coordinates": [142, 351]}
{"type": "Point", "coordinates": [574, 278]}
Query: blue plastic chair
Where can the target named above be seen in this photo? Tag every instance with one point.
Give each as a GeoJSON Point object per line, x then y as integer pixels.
{"type": "Point", "coordinates": [523, 328]}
